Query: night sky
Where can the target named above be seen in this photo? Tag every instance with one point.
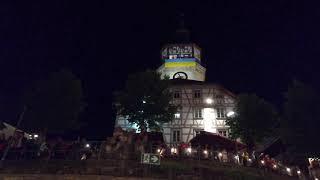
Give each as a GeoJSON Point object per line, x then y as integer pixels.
{"type": "Point", "coordinates": [247, 47]}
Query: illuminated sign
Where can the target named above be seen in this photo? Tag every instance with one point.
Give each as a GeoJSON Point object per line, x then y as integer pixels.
{"type": "Point", "coordinates": [177, 51]}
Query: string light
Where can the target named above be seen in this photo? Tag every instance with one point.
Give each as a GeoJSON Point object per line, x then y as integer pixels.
{"type": "Point", "coordinates": [220, 154]}
{"type": "Point", "coordinates": [274, 166]}
{"type": "Point", "coordinates": [205, 152]}
{"type": "Point", "coordinates": [262, 161]}
{"type": "Point", "coordinates": [174, 150]}
{"type": "Point", "coordinates": [288, 169]}
{"type": "Point", "coordinates": [298, 172]}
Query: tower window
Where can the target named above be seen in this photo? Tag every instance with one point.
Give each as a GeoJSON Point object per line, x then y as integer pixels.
{"type": "Point", "coordinates": [197, 93]}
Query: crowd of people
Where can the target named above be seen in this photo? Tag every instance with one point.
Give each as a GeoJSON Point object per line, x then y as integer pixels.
{"type": "Point", "coordinates": [241, 158]}
{"type": "Point", "coordinates": [128, 145]}
{"type": "Point", "coordinates": [19, 147]}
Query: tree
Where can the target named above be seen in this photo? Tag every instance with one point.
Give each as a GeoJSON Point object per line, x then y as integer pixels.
{"type": "Point", "coordinates": [301, 122]}
{"type": "Point", "coordinates": [254, 119]}
{"type": "Point", "coordinates": [145, 100]}
{"type": "Point", "coordinates": [54, 105]}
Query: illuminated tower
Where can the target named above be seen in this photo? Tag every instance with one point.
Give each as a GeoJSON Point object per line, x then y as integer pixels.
{"type": "Point", "coordinates": [182, 59]}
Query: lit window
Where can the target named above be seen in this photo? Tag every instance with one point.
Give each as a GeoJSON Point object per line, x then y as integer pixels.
{"type": "Point", "coordinates": [197, 94]}
{"type": "Point", "coordinates": [177, 115]}
{"type": "Point", "coordinates": [176, 135]}
{"type": "Point", "coordinates": [221, 113]}
{"type": "Point", "coordinates": [197, 113]}
{"type": "Point", "coordinates": [223, 132]}
{"type": "Point", "coordinates": [177, 94]}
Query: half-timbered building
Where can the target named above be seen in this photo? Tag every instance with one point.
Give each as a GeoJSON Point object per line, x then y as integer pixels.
{"type": "Point", "coordinates": [204, 106]}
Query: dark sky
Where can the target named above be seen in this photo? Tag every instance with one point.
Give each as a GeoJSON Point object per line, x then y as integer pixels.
{"type": "Point", "coordinates": [247, 46]}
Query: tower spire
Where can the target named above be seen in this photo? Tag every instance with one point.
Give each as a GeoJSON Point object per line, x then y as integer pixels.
{"type": "Point", "coordinates": [182, 33]}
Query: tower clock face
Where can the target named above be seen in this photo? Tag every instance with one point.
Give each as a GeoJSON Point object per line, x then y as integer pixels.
{"type": "Point", "coordinates": [180, 75]}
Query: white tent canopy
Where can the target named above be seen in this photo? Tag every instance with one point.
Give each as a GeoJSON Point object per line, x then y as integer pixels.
{"type": "Point", "coordinates": [9, 131]}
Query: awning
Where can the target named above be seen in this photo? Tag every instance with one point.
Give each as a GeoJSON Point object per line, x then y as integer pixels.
{"type": "Point", "coordinates": [215, 141]}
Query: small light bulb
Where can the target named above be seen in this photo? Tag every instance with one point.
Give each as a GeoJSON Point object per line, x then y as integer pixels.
{"type": "Point", "coordinates": [220, 154]}
{"type": "Point", "coordinates": [209, 101]}
{"type": "Point", "coordinates": [262, 161]}
{"type": "Point", "coordinates": [205, 152]}
{"type": "Point", "coordinates": [274, 166]}
{"type": "Point", "coordinates": [298, 172]}
{"type": "Point", "coordinates": [288, 169]}
{"type": "Point", "coordinates": [87, 145]}
{"type": "Point", "coordinates": [231, 113]}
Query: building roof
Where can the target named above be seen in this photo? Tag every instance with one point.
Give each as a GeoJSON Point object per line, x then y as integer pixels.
{"type": "Point", "coordinates": [182, 82]}
{"type": "Point", "coordinates": [216, 141]}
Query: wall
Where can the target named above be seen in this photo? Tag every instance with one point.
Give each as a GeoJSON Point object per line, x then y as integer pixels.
{"type": "Point", "coordinates": [65, 177]}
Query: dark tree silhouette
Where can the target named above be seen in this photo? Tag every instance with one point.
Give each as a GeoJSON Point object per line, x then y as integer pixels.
{"type": "Point", "coordinates": [254, 119]}
{"type": "Point", "coordinates": [301, 122]}
{"type": "Point", "coordinates": [54, 105]}
{"type": "Point", "coordinates": [146, 100]}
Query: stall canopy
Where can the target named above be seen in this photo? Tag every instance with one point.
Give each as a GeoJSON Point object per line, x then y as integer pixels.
{"type": "Point", "coordinates": [9, 130]}
{"type": "Point", "coordinates": [215, 141]}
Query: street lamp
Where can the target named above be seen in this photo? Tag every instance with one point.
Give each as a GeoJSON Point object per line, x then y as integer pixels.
{"type": "Point", "coordinates": [230, 113]}
{"type": "Point", "coordinates": [209, 101]}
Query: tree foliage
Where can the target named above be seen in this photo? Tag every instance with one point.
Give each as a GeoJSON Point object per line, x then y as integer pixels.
{"type": "Point", "coordinates": [54, 105]}
{"type": "Point", "coordinates": [254, 119]}
{"type": "Point", "coordinates": [145, 100]}
{"type": "Point", "coordinates": [301, 122]}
